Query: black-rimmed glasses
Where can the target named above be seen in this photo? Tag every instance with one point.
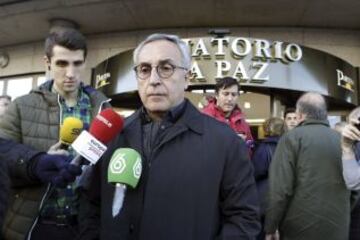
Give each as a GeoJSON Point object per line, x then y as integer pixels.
{"type": "Point", "coordinates": [164, 70]}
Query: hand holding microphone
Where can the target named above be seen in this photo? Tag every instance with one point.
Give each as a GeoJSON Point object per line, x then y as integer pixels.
{"type": "Point", "coordinates": [124, 170]}
{"type": "Point", "coordinates": [69, 131]}
{"type": "Point", "coordinates": [54, 167]}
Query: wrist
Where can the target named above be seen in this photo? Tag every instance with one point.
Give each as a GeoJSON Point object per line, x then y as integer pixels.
{"type": "Point", "coordinates": [33, 163]}
{"type": "Point", "coordinates": [348, 153]}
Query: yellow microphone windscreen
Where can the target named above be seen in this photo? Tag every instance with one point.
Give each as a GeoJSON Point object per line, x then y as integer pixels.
{"type": "Point", "coordinates": [70, 130]}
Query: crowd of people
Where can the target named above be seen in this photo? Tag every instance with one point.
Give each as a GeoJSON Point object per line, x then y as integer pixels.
{"type": "Point", "coordinates": [202, 174]}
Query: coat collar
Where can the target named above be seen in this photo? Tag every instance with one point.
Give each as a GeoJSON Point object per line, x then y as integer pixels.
{"type": "Point", "coordinates": [314, 122]}
{"type": "Point", "coordinates": [97, 98]}
{"type": "Point", "coordinates": [191, 118]}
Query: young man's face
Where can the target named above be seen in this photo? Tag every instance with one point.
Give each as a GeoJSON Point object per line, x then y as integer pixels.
{"type": "Point", "coordinates": [161, 94]}
{"type": "Point", "coordinates": [66, 67]}
{"type": "Point", "coordinates": [226, 98]}
{"type": "Point", "coordinates": [291, 120]}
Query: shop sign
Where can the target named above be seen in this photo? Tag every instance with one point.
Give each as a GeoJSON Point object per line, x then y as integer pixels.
{"type": "Point", "coordinates": [245, 59]}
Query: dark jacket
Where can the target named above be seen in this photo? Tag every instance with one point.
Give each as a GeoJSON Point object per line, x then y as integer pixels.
{"type": "Point", "coordinates": [261, 160]}
{"type": "Point", "coordinates": [33, 120]}
{"type": "Point", "coordinates": [308, 198]}
{"type": "Point", "coordinates": [198, 184]}
{"type": "Point", "coordinates": [6, 153]}
{"type": "Point", "coordinates": [4, 191]}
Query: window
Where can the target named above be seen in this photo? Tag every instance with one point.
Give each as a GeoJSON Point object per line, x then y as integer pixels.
{"type": "Point", "coordinates": [16, 86]}
{"type": "Point", "coordinates": [19, 86]}
{"type": "Point", "coordinates": [1, 87]}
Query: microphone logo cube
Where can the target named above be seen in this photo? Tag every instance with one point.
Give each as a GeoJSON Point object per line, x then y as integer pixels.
{"type": "Point", "coordinates": [125, 167]}
{"type": "Point", "coordinates": [137, 168]}
{"type": "Point", "coordinates": [118, 164]}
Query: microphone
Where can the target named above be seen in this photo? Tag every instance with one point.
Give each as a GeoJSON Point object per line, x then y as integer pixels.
{"type": "Point", "coordinates": [124, 170]}
{"type": "Point", "coordinates": [69, 131]}
{"type": "Point", "coordinates": [91, 145]}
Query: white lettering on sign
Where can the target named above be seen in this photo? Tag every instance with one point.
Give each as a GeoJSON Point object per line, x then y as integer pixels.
{"type": "Point", "coordinates": [245, 59]}
{"type": "Point", "coordinates": [344, 81]}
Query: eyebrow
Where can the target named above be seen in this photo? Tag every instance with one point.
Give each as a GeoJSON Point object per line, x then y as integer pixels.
{"type": "Point", "coordinates": [166, 60]}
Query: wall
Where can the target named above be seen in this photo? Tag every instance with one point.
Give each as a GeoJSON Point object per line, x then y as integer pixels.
{"type": "Point", "coordinates": [28, 58]}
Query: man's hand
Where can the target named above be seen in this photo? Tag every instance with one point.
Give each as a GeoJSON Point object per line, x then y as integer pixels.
{"type": "Point", "coordinates": [57, 150]}
{"type": "Point", "coordinates": [272, 236]}
{"type": "Point", "coordinates": [350, 134]}
{"type": "Point", "coordinates": [55, 169]}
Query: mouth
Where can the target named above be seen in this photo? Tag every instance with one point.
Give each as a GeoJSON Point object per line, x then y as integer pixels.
{"type": "Point", "coordinates": [69, 83]}
{"type": "Point", "coordinates": [155, 95]}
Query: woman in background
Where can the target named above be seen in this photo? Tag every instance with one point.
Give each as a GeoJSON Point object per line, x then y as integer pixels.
{"type": "Point", "coordinates": [273, 129]}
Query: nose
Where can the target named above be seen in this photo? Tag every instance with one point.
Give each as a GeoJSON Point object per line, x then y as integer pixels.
{"type": "Point", "coordinates": [229, 97]}
{"type": "Point", "coordinates": [154, 78]}
{"type": "Point", "coordinates": [70, 71]}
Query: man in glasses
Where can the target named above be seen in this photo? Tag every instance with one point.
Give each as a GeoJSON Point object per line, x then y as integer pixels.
{"type": "Point", "coordinates": [196, 181]}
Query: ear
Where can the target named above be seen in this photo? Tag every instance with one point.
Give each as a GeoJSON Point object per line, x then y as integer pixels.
{"type": "Point", "coordinates": [47, 62]}
{"type": "Point", "coordinates": [300, 117]}
{"type": "Point", "coordinates": [187, 79]}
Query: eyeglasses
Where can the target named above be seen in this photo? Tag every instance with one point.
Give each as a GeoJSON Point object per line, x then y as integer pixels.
{"type": "Point", "coordinates": [164, 70]}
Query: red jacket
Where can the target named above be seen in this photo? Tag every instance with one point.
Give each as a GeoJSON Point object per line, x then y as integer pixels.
{"type": "Point", "coordinates": [236, 120]}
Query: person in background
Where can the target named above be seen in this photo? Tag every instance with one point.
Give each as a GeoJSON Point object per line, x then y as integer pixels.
{"type": "Point", "coordinates": [5, 100]}
{"type": "Point", "coordinates": [261, 159]}
{"type": "Point", "coordinates": [351, 168]}
{"type": "Point", "coordinates": [307, 197]}
{"type": "Point", "coordinates": [197, 181]}
{"type": "Point", "coordinates": [44, 203]}
{"type": "Point", "coordinates": [225, 109]}
{"type": "Point", "coordinates": [290, 119]}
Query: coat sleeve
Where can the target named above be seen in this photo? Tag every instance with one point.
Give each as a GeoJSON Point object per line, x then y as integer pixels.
{"type": "Point", "coordinates": [281, 183]}
{"type": "Point", "coordinates": [4, 192]}
{"type": "Point", "coordinates": [18, 158]}
{"type": "Point", "coordinates": [238, 195]}
{"type": "Point", "coordinates": [17, 155]}
{"type": "Point", "coordinates": [89, 207]}
{"type": "Point", "coordinates": [261, 162]}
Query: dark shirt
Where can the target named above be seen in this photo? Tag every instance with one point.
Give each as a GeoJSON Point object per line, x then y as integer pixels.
{"type": "Point", "coordinates": [154, 131]}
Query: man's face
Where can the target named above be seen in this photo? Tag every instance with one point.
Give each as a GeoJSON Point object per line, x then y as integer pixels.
{"type": "Point", "coordinates": [160, 94]}
{"type": "Point", "coordinates": [226, 98]}
{"type": "Point", "coordinates": [4, 103]}
{"type": "Point", "coordinates": [66, 68]}
{"type": "Point", "coordinates": [291, 120]}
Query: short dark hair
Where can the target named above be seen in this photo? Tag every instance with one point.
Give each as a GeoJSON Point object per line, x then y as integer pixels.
{"type": "Point", "coordinates": [289, 110]}
{"type": "Point", "coordinates": [6, 97]}
{"type": "Point", "coordinates": [68, 38]}
{"type": "Point", "coordinates": [313, 105]}
{"type": "Point", "coordinates": [226, 82]}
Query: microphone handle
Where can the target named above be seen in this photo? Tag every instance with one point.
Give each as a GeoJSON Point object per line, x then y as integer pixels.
{"type": "Point", "coordinates": [64, 146]}
{"type": "Point", "coordinates": [77, 160]}
{"type": "Point", "coordinates": [119, 195]}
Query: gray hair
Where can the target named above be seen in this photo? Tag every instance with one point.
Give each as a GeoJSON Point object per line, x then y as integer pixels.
{"type": "Point", "coordinates": [184, 49]}
{"type": "Point", "coordinates": [313, 105]}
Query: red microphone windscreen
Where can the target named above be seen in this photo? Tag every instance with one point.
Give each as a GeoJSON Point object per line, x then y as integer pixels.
{"type": "Point", "coordinates": [106, 125]}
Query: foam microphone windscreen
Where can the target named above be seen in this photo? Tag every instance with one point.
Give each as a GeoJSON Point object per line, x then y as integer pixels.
{"type": "Point", "coordinates": [106, 125]}
{"type": "Point", "coordinates": [70, 130]}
